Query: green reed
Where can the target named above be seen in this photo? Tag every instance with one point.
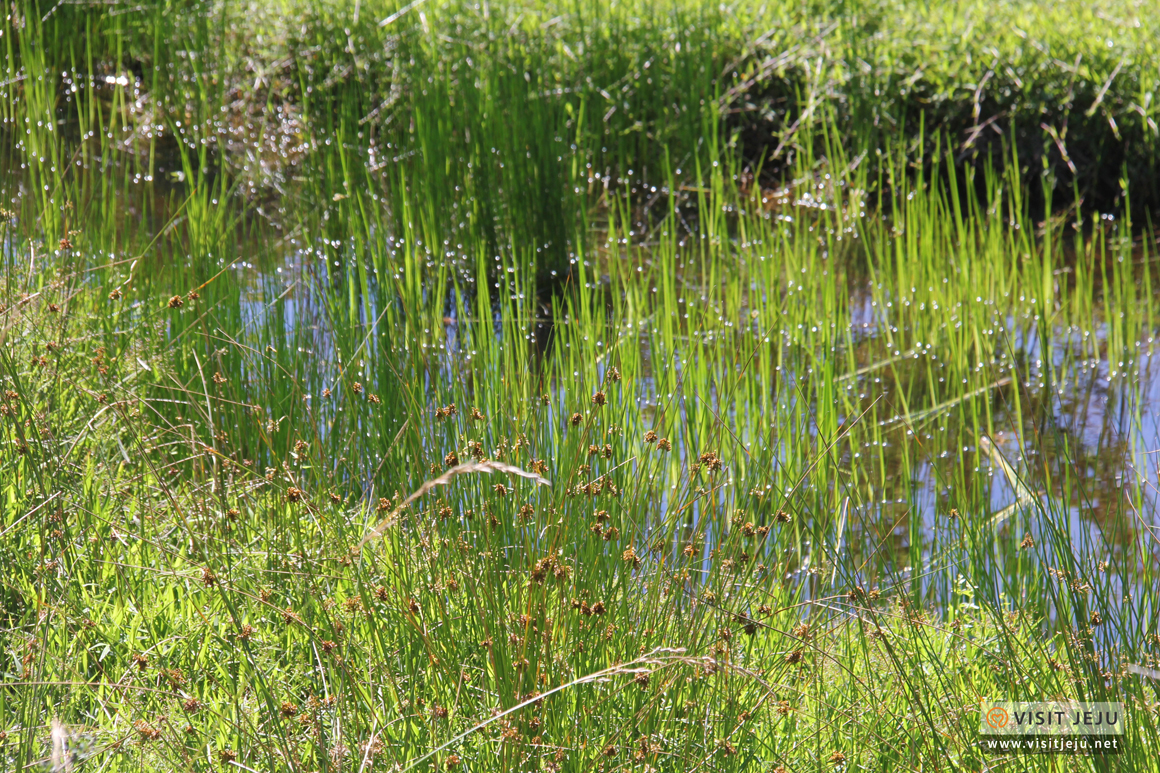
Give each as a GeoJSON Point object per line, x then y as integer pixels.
{"type": "Point", "coordinates": [220, 376]}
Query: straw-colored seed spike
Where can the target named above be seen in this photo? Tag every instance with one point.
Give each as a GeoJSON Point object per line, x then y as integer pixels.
{"type": "Point", "coordinates": [443, 480]}
{"type": "Point", "coordinates": [61, 756]}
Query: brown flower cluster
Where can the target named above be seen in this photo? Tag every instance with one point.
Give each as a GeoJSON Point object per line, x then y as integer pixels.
{"type": "Point", "coordinates": [550, 564]}
{"type": "Point", "coordinates": [582, 607]}
{"type": "Point", "coordinates": [711, 461]}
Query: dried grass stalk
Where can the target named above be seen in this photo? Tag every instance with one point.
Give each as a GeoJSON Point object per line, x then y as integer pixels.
{"type": "Point", "coordinates": [443, 480]}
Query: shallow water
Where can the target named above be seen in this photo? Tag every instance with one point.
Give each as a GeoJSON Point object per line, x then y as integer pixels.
{"type": "Point", "coordinates": [1100, 429]}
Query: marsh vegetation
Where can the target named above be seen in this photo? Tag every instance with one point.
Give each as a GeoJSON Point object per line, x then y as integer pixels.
{"type": "Point", "coordinates": [581, 386]}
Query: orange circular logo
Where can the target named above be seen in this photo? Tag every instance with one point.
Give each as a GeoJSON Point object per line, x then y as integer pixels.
{"type": "Point", "coordinates": [998, 718]}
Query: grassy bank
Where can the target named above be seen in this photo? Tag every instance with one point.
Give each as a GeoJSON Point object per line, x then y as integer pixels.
{"type": "Point", "coordinates": [402, 398]}
{"type": "Point", "coordinates": [1072, 86]}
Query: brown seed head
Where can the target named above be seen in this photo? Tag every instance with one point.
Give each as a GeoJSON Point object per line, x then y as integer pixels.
{"type": "Point", "coordinates": [176, 302]}
{"type": "Point", "coordinates": [629, 557]}
{"type": "Point", "coordinates": [146, 731]}
{"type": "Point", "coordinates": [599, 399]}
{"type": "Point", "coordinates": [711, 461]}
{"type": "Point", "coordinates": [293, 494]}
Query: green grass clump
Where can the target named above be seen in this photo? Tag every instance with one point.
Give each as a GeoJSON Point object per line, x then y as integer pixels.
{"type": "Point", "coordinates": [603, 91]}
{"type": "Point", "coordinates": [377, 397]}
